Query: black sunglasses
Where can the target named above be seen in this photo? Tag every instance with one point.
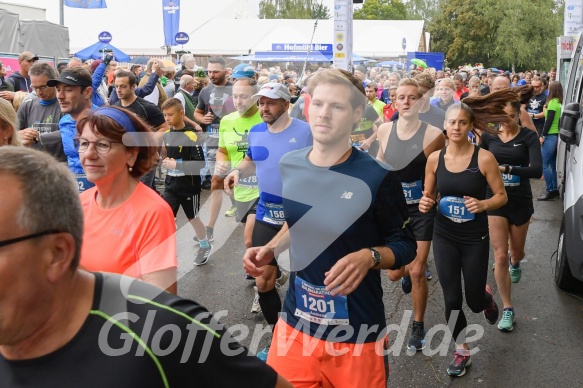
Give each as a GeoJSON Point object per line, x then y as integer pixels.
{"type": "Point", "coordinates": [28, 237]}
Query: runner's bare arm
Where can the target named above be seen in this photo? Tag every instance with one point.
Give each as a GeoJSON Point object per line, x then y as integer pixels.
{"type": "Point", "coordinates": [257, 257]}
{"type": "Point", "coordinates": [245, 169]}
{"type": "Point", "coordinates": [164, 279]}
{"type": "Point", "coordinates": [222, 162]}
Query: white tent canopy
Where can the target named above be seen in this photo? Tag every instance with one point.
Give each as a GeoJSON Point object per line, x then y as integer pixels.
{"type": "Point", "coordinates": [372, 38]}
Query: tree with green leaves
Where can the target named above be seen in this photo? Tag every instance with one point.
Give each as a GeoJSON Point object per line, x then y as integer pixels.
{"type": "Point", "coordinates": [293, 9]}
{"type": "Point", "coordinates": [509, 34]}
{"type": "Point", "coordinates": [381, 10]}
{"type": "Point", "coordinates": [422, 9]}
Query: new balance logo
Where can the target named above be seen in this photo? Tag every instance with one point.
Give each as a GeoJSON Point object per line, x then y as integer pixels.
{"type": "Point", "coordinates": [346, 195]}
{"type": "Point", "coordinates": [293, 140]}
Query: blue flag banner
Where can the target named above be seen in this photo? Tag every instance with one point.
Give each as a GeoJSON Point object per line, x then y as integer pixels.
{"type": "Point", "coordinates": [171, 15]}
{"type": "Point", "coordinates": [86, 3]}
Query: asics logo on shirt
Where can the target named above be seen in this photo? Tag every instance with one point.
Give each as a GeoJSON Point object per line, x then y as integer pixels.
{"type": "Point", "coordinates": [346, 195]}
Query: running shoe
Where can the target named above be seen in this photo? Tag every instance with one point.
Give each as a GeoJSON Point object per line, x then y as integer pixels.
{"type": "Point", "coordinates": [428, 275]}
{"type": "Point", "coordinates": [417, 340]}
{"type": "Point", "coordinates": [255, 307]}
{"type": "Point", "coordinates": [491, 312]}
{"type": "Point", "coordinates": [232, 212]}
{"type": "Point", "coordinates": [262, 355]}
{"type": "Point", "coordinates": [507, 321]}
{"type": "Point", "coordinates": [515, 272]}
{"type": "Point", "coordinates": [249, 277]}
{"type": "Point", "coordinates": [460, 361]}
{"type": "Point", "coordinates": [209, 235]}
{"type": "Point", "coordinates": [203, 255]}
{"type": "Point", "coordinates": [406, 284]}
{"type": "Point", "coordinates": [280, 281]}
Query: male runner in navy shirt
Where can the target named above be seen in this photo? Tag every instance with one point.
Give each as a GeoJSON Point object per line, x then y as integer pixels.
{"type": "Point", "coordinates": [347, 219]}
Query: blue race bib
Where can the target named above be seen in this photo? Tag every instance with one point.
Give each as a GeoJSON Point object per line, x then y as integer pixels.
{"type": "Point", "coordinates": [455, 209]}
{"type": "Point", "coordinates": [511, 180]}
{"type": "Point", "coordinates": [248, 182]}
{"type": "Point", "coordinates": [213, 130]}
{"type": "Point", "coordinates": [82, 182]}
{"type": "Point", "coordinates": [413, 191]}
{"type": "Point", "coordinates": [174, 172]}
{"type": "Point", "coordinates": [315, 304]}
{"type": "Point", "coordinates": [274, 213]}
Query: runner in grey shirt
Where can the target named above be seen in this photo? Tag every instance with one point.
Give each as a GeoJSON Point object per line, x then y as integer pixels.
{"type": "Point", "coordinates": [41, 113]}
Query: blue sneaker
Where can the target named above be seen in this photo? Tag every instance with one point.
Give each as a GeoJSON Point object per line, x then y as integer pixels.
{"type": "Point", "coordinates": [417, 340]}
{"type": "Point", "coordinates": [428, 275]}
{"type": "Point", "coordinates": [406, 284]}
{"type": "Point", "coordinates": [262, 355]}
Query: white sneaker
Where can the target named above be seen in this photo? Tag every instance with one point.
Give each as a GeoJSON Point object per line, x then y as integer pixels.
{"type": "Point", "coordinates": [255, 307]}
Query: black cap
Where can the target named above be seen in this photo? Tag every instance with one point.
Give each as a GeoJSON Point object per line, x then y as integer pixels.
{"type": "Point", "coordinates": [71, 78]}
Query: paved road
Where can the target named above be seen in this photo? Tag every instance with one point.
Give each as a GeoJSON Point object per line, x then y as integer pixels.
{"type": "Point", "coordinates": [544, 350]}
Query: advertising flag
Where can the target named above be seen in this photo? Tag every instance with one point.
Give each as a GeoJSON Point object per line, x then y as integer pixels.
{"type": "Point", "coordinates": [171, 15]}
{"type": "Point", "coordinates": [86, 3]}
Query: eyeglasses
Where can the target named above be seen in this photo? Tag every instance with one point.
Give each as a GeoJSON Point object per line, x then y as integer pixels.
{"type": "Point", "coordinates": [28, 237]}
{"type": "Point", "coordinates": [102, 146]}
{"type": "Point", "coordinates": [40, 88]}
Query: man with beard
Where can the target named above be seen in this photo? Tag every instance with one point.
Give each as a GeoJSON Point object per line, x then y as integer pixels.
{"type": "Point", "coordinates": [209, 112]}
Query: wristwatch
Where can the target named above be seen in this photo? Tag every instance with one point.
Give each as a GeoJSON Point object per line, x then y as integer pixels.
{"type": "Point", "coordinates": [376, 256]}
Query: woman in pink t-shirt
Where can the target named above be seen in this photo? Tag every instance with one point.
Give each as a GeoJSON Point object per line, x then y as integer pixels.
{"type": "Point", "coordinates": [129, 228]}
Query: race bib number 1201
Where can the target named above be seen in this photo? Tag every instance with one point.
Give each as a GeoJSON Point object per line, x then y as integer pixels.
{"type": "Point", "coordinates": [315, 304]}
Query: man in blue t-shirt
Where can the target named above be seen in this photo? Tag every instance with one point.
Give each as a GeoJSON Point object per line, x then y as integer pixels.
{"type": "Point", "coordinates": [268, 143]}
{"type": "Point", "coordinates": [347, 219]}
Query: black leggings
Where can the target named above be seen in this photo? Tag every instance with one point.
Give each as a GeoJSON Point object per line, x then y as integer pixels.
{"type": "Point", "coordinates": [452, 259]}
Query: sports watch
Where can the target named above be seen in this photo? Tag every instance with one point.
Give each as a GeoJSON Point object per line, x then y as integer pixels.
{"type": "Point", "coordinates": [376, 256]}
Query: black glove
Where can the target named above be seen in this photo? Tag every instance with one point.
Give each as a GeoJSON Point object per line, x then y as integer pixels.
{"type": "Point", "coordinates": [108, 58]}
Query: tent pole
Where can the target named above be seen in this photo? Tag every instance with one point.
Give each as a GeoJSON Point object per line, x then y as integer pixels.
{"type": "Point", "coordinates": [62, 12]}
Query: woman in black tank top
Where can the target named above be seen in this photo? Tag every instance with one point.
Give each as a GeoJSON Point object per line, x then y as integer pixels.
{"type": "Point", "coordinates": [405, 144]}
{"type": "Point", "coordinates": [460, 174]}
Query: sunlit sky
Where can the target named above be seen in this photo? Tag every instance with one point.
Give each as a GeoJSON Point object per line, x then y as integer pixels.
{"type": "Point", "coordinates": [144, 28]}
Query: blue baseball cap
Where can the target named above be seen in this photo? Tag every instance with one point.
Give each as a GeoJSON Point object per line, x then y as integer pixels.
{"type": "Point", "coordinates": [243, 70]}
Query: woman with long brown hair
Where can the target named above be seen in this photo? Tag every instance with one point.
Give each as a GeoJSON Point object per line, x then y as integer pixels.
{"type": "Point", "coordinates": [549, 139]}
{"type": "Point", "coordinates": [460, 174]}
{"type": "Point", "coordinates": [517, 151]}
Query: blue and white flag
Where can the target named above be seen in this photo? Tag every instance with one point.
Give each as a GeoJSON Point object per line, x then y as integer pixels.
{"type": "Point", "coordinates": [171, 17]}
{"type": "Point", "coordinates": [86, 3]}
